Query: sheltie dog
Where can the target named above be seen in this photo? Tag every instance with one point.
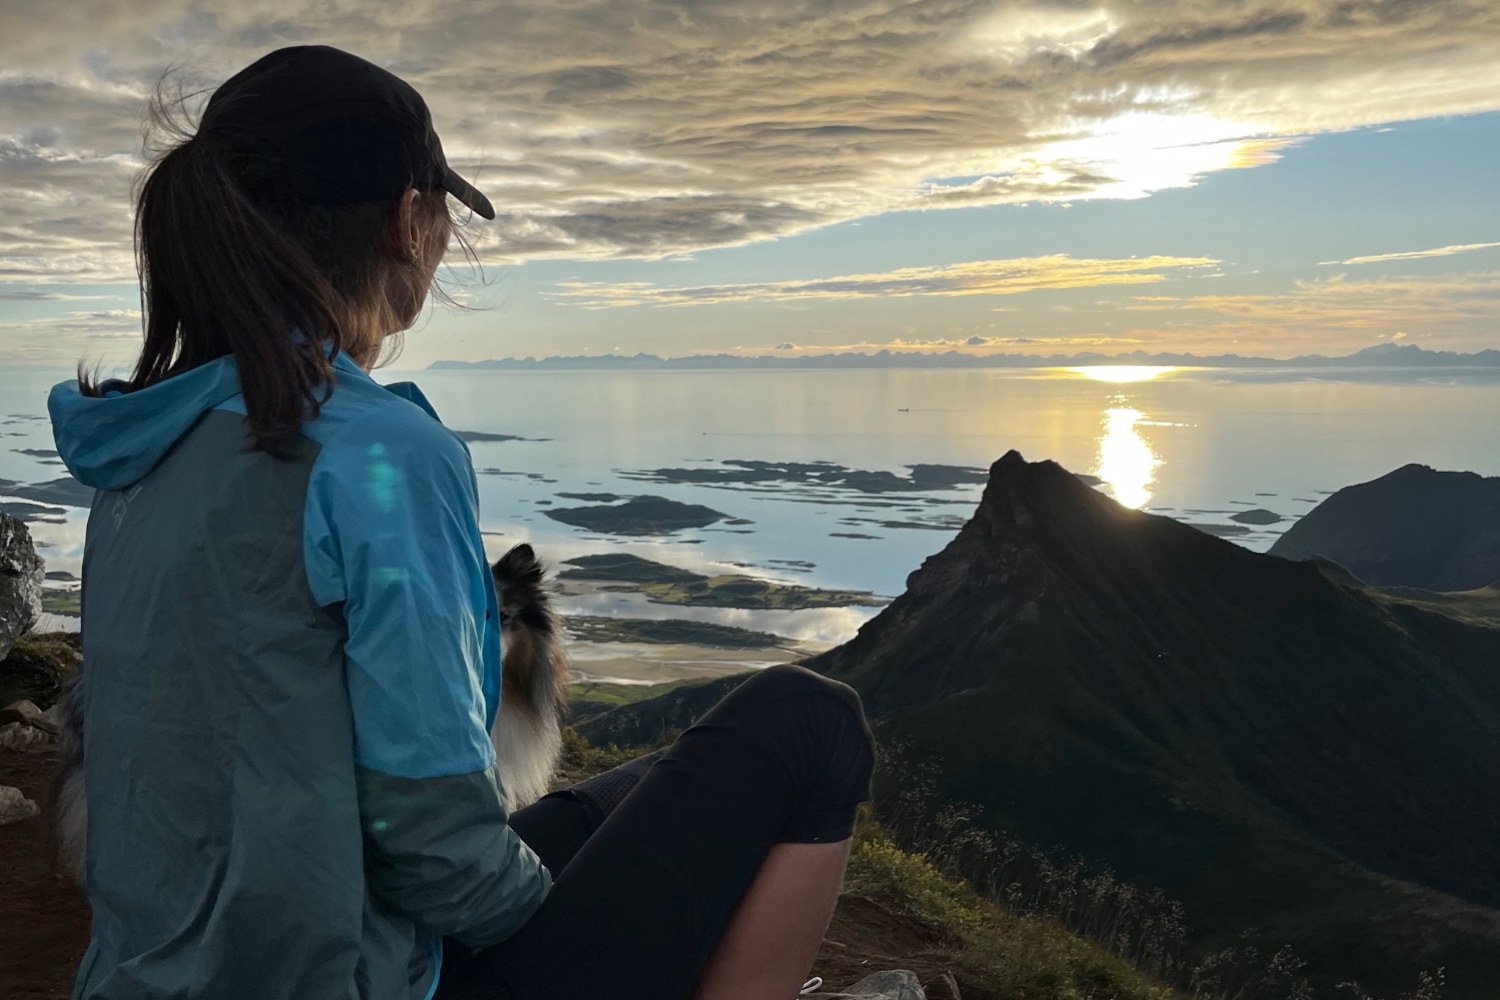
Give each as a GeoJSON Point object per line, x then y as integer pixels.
{"type": "Point", "coordinates": [533, 682]}
{"type": "Point", "coordinates": [528, 727]}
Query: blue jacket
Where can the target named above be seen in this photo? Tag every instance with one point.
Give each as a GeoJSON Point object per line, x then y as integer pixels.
{"type": "Point", "coordinates": [291, 667]}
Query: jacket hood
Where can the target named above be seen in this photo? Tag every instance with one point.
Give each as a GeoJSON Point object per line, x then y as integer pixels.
{"type": "Point", "coordinates": [110, 442]}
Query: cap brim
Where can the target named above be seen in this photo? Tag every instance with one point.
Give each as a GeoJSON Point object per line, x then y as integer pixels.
{"type": "Point", "coordinates": [467, 193]}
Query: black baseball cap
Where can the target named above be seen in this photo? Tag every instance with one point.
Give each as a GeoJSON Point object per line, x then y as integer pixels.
{"type": "Point", "coordinates": [344, 129]}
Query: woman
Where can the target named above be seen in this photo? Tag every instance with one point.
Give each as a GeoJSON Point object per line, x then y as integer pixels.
{"type": "Point", "coordinates": [290, 633]}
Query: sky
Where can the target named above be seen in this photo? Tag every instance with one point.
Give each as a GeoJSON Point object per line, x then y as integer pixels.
{"type": "Point", "coordinates": [1273, 178]}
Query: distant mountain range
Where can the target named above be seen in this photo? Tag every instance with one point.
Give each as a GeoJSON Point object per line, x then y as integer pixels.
{"type": "Point", "coordinates": [1298, 757]}
{"type": "Point", "coordinates": [1415, 527]}
{"type": "Point", "coordinates": [1379, 356]}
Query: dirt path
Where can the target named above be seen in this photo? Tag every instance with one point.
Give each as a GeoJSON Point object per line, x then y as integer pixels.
{"type": "Point", "coordinates": [44, 923]}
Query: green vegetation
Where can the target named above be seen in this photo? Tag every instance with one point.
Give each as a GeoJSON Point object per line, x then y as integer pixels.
{"type": "Point", "coordinates": [37, 666]}
{"type": "Point", "coordinates": [581, 759]}
{"type": "Point", "coordinates": [591, 698]}
{"type": "Point", "coordinates": [760, 595]}
{"type": "Point", "coordinates": [672, 585]}
{"type": "Point", "coordinates": [60, 602]}
{"type": "Point", "coordinates": [621, 567]}
{"type": "Point", "coordinates": [1476, 607]}
{"type": "Point", "coordinates": [670, 631]}
{"type": "Point", "coordinates": [994, 953]}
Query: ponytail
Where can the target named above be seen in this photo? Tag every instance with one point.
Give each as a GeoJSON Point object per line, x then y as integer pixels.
{"type": "Point", "coordinates": [230, 264]}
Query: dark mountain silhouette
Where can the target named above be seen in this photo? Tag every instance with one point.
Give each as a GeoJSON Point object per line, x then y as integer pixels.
{"type": "Point", "coordinates": [1415, 527]}
{"type": "Point", "coordinates": [1288, 752]}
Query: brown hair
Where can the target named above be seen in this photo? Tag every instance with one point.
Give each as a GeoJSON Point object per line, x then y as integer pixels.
{"type": "Point", "coordinates": [229, 262]}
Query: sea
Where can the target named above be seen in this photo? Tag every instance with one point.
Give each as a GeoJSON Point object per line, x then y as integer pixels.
{"type": "Point", "coordinates": [1204, 446]}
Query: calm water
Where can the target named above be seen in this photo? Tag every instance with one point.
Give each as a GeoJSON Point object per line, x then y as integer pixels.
{"type": "Point", "coordinates": [1199, 445]}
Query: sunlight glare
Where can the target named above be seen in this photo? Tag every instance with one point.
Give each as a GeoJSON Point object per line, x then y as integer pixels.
{"type": "Point", "coordinates": [1123, 373]}
{"type": "Point", "coordinates": [1126, 462]}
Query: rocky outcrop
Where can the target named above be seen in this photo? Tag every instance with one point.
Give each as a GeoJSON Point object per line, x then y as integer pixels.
{"type": "Point", "coordinates": [1415, 527]}
{"type": "Point", "coordinates": [20, 582]}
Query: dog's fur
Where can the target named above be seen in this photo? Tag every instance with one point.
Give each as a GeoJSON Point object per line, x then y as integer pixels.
{"type": "Point", "coordinates": [527, 732]}
{"type": "Point", "coordinates": [534, 683]}
{"type": "Point", "coordinates": [69, 807]}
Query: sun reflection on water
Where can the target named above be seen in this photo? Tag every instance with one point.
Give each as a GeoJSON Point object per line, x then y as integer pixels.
{"type": "Point", "coordinates": [1126, 464]}
{"type": "Point", "coordinates": [1123, 373]}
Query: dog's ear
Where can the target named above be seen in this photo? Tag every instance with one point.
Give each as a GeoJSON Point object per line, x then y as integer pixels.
{"type": "Point", "coordinates": [518, 567]}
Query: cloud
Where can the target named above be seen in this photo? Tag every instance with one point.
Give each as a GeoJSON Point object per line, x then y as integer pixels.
{"type": "Point", "coordinates": [1447, 251]}
{"type": "Point", "coordinates": [620, 128]}
{"type": "Point", "coordinates": [1461, 310]}
{"type": "Point", "coordinates": [29, 295]}
{"type": "Point", "coordinates": [105, 334]}
{"type": "Point", "coordinates": [981, 277]}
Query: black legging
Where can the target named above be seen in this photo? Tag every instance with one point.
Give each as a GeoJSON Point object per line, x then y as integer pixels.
{"type": "Point", "coordinates": [652, 858]}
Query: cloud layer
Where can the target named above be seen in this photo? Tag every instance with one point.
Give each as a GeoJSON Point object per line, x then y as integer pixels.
{"type": "Point", "coordinates": [980, 277]}
{"type": "Point", "coordinates": [1447, 251]}
{"type": "Point", "coordinates": [1460, 310]}
{"type": "Point", "coordinates": [644, 128]}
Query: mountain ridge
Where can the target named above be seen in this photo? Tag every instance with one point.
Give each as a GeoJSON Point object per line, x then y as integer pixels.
{"type": "Point", "coordinates": [1270, 741]}
{"type": "Point", "coordinates": [1378, 356]}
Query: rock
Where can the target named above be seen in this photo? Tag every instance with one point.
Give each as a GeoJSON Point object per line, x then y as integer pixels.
{"type": "Point", "coordinates": [897, 984]}
{"type": "Point", "coordinates": [26, 713]}
{"type": "Point", "coordinates": [23, 711]}
{"type": "Point", "coordinates": [15, 806]}
{"type": "Point", "coordinates": [51, 721]}
{"type": "Point", "coordinates": [20, 582]}
{"type": "Point", "coordinates": [19, 736]}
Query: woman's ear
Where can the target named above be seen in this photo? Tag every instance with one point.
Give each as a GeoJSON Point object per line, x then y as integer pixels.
{"type": "Point", "coordinates": [407, 239]}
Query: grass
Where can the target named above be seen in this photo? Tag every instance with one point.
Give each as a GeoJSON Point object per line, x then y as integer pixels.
{"type": "Point", "coordinates": [1475, 607]}
{"type": "Point", "coordinates": [590, 697]}
{"type": "Point", "coordinates": [36, 667]}
{"type": "Point", "coordinates": [669, 631]}
{"type": "Point", "coordinates": [581, 759]}
{"type": "Point", "coordinates": [998, 954]}
{"type": "Point", "coordinates": [61, 602]}
{"type": "Point", "coordinates": [748, 592]}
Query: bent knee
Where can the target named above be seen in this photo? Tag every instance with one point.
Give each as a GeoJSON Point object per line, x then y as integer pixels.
{"type": "Point", "coordinates": [789, 683]}
{"type": "Point", "coordinates": [796, 707]}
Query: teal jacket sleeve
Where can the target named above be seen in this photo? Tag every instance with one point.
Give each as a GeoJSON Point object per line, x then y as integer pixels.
{"type": "Point", "coordinates": [391, 534]}
{"type": "Point", "coordinates": [440, 850]}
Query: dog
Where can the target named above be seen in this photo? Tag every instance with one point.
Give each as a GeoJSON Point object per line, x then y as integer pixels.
{"type": "Point", "coordinates": [533, 681]}
{"type": "Point", "coordinates": [527, 733]}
